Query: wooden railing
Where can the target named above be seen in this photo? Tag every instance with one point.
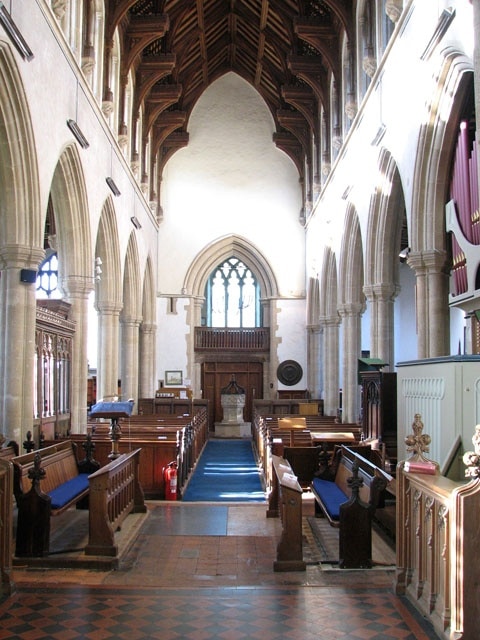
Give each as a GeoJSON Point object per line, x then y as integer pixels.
{"type": "Point", "coordinates": [115, 492]}
{"type": "Point", "coordinates": [211, 338]}
{"type": "Point", "coordinates": [6, 527]}
{"type": "Point", "coordinates": [438, 564]}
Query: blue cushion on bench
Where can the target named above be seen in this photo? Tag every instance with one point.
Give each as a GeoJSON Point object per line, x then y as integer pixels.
{"type": "Point", "coordinates": [68, 490]}
{"type": "Point", "coordinates": [331, 495]}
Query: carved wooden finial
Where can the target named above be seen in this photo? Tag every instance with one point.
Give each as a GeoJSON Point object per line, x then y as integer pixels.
{"type": "Point", "coordinates": [355, 482]}
{"type": "Point", "coordinates": [417, 443]}
{"type": "Point", "coordinates": [36, 473]}
{"type": "Point", "coordinates": [472, 458]}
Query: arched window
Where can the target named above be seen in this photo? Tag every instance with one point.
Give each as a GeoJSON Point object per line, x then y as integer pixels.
{"type": "Point", "coordinates": [47, 278]}
{"type": "Point", "coordinates": [232, 296]}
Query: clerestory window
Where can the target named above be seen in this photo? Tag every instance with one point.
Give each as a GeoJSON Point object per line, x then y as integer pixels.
{"type": "Point", "coordinates": [232, 296]}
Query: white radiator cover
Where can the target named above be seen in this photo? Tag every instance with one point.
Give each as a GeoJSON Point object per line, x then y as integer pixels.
{"type": "Point", "coordinates": [446, 393]}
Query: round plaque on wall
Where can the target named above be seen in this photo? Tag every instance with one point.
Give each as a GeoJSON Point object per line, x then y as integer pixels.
{"type": "Point", "coordinates": [289, 372]}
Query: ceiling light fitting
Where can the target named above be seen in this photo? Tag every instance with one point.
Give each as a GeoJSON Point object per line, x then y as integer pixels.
{"type": "Point", "coordinates": [113, 187]}
{"type": "Point", "coordinates": [14, 34]}
{"type": "Point", "coordinates": [77, 132]}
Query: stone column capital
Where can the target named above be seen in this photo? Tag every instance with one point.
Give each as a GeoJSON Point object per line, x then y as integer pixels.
{"type": "Point", "coordinates": [351, 309]}
{"type": "Point", "coordinates": [17, 256]}
{"type": "Point", "coordinates": [432, 260]}
{"type": "Point", "coordinates": [108, 307]}
{"type": "Point", "coordinates": [77, 286]}
{"type": "Point", "coordinates": [330, 321]}
{"type": "Point", "coordinates": [381, 291]}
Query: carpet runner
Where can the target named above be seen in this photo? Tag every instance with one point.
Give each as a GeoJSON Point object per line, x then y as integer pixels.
{"type": "Point", "coordinates": [225, 472]}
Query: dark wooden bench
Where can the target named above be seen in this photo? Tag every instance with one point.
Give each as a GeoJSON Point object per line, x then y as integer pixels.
{"type": "Point", "coordinates": [9, 451]}
{"type": "Point", "coordinates": [348, 499]}
{"type": "Point", "coordinates": [47, 482]}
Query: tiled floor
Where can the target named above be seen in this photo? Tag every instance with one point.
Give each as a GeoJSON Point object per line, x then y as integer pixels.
{"type": "Point", "coordinates": [205, 572]}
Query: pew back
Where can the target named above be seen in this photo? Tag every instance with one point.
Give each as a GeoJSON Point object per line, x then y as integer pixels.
{"type": "Point", "coordinates": [59, 462]}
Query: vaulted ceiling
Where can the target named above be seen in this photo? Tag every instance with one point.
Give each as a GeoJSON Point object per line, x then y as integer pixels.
{"type": "Point", "coordinates": [288, 50]}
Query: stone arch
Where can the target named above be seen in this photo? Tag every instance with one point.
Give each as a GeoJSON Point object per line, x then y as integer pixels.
{"type": "Point", "coordinates": [384, 225]}
{"type": "Point", "coordinates": [330, 320]}
{"type": "Point", "coordinates": [429, 256]}
{"type": "Point", "coordinates": [21, 246]}
{"type": "Point", "coordinates": [108, 250]}
{"type": "Point", "coordinates": [131, 280]}
{"type": "Point", "coordinates": [73, 241]}
{"type": "Point", "coordinates": [130, 319]}
{"type": "Point", "coordinates": [108, 301]}
{"type": "Point", "coordinates": [329, 284]}
{"type": "Point", "coordinates": [148, 293]}
{"type": "Point", "coordinates": [222, 249]}
{"type": "Point", "coordinates": [351, 261]}
{"type": "Point", "coordinates": [20, 219]}
{"type": "Point", "coordinates": [147, 359]}
{"type": "Point", "coordinates": [76, 265]}
{"type": "Point", "coordinates": [383, 242]}
{"type": "Point", "coordinates": [437, 138]}
{"type": "Point", "coordinates": [351, 307]}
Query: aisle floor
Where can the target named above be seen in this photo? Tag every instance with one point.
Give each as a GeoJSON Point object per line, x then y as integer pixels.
{"type": "Point", "coordinates": [205, 572]}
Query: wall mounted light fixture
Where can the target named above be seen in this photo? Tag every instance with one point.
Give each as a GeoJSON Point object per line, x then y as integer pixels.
{"type": "Point", "coordinates": [14, 34]}
{"type": "Point", "coordinates": [136, 222]}
{"type": "Point", "coordinates": [444, 22]}
{"type": "Point", "coordinates": [77, 132]}
{"type": "Point", "coordinates": [115, 190]}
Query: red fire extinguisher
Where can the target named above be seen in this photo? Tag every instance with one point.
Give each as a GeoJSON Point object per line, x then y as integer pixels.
{"type": "Point", "coordinates": [170, 480]}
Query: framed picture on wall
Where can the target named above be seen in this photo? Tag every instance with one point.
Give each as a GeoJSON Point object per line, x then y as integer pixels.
{"type": "Point", "coordinates": [173, 378]}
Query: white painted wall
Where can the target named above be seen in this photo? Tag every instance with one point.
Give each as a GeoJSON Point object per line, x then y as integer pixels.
{"type": "Point", "coordinates": [231, 179]}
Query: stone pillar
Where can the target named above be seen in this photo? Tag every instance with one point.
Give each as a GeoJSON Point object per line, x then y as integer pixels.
{"type": "Point", "coordinates": [381, 298]}
{"type": "Point", "coordinates": [77, 291]}
{"type": "Point", "coordinates": [331, 366]}
{"type": "Point", "coordinates": [432, 310]}
{"type": "Point", "coordinates": [315, 361]}
{"type": "Point", "coordinates": [108, 342]}
{"type": "Point", "coordinates": [351, 314]}
{"type": "Point", "coordinates": [17, 335]}
{"type": "Point", "coordinates": [129, 357]}
{"type": "Point", "coordinates": [146, 376]}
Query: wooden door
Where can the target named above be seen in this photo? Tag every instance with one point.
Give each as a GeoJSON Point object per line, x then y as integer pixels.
{"type": "Point", "coordinates": [217, 375]}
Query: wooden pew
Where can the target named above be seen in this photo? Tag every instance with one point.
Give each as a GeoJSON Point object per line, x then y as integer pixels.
{"type": "Point", "coordinates": [47, 482]}
{"type": "Point", "coordinates": [7, 586]}
{"type": "Point", "coordinates": [115, 492]}
{"type": "Point", "coordinates": [9, 451]}
{"type": "Point", "coordinates": [349, 501]}
{"type": "Point", "coordinates": [288, 506]}
{"type": "Point", "coordinates": [162, 440]}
